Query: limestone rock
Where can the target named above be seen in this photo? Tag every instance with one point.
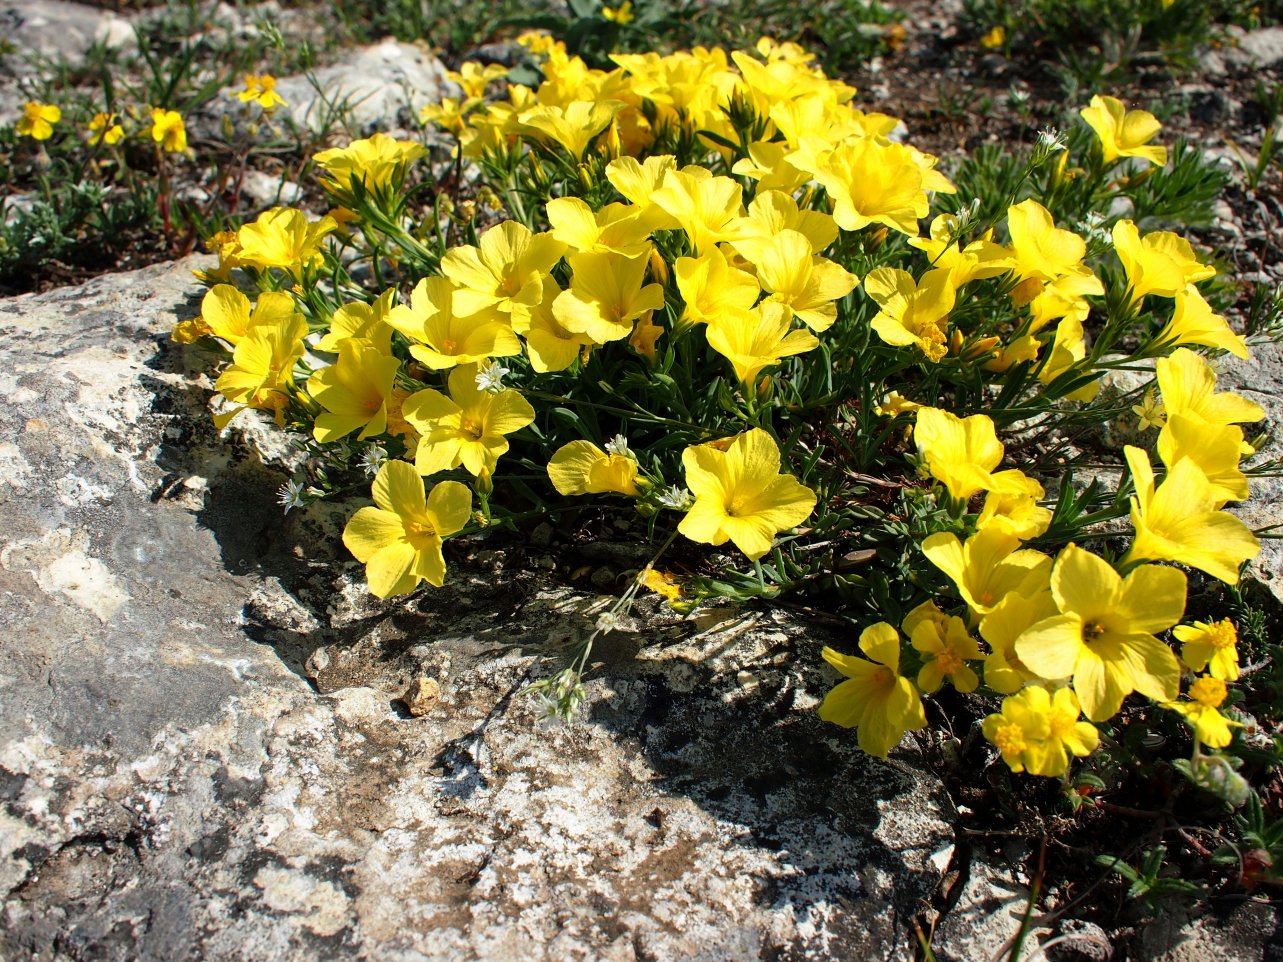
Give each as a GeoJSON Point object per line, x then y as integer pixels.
{"type": "Point", "coordinates": [54, 28]}
{"type": "Point", "coordinates": [204, 755]}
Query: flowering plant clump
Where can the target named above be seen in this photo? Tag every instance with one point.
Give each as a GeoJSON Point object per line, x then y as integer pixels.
{"type": "Point", "coordinates": [710, 290]}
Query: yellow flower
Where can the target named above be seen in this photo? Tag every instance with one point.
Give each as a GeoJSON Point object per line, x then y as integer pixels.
{"type": "Point", "coordinates": [980, 259]}
{"type": "Point", "coordinates": [773, 211]}
{"type": "Point", "coordinates": [711, 286]}
{"type": "Point", "coordinates": [355, 392]}
{"type": "Point", "coordinates": [1043, 252]}
{"type": "Point", "coordinates": [807, 285]}
{"type": "Point", "coordinates": [473, 78]}
{"type": "Point", "coordinates": [1210, 645]}
{"type": "Point", "coordinates": [1038, 731]}
{"type": "Point", "coordinates": [1122, 132]}
{"type": "Point", "coordinates": [441, 337]}
{"type": "Point", "coordinates": [959, 452]}
{"type": "Point", "coordinates": [1150, 412]}
{"type": "Point", "coordinates": [988, 566]}
{"type": "Point", "coordinates": [948, 648]}
{"type": "Point", "coordinates": [895, 404]}
{"type": "Point", "coordinates": [169, 130]}
{"type": "Point", "coordinates": [358, 319]}
{"type": "Point", "coordinates": [1104, 634]}
{"type": "Point", "coordinates": [573, 126]}
{"type": "Point", "coordinates": [1159, 263]}
{"type": "Point", "coordinates": [912, 314]}
{"type": "Point", "coordinates": [740, 494]}
{"type": "Point", "coordinates": [616, 228]}
{"type": "Point", "coordinates": [756, 339]}
{"type": "Point", "coordinates": [606, 296]}
{"type": "Point", "coordinates": [994, 38]}
{"type": "Point", "coordinates": [1012, 506]}
{"type": "Point", "coordinates": [399, 541]}
{"type": "Point", "coordinates": [374, 161]}
{"type": "Point", "coordinates": [874, 183]}
{"type": "Point", "coordinates": [468, 427]}
{"type": "Point", "coordinates": [1005, 673]}
{"type": "Point", "coordinates": [1178, 521]}
{"type": "Point", "coordinates": [1194, 322]}
{"type": "Point", "coordinates": [621, 14]}
{"type": "Point", "coordinates": [1215, 448]}
{"type": "Point", "coordinates": [505, 272]}
{"type": "Point", "coordinates": [875, 700]}
{"type": "Point", "coordinates": [707, 208]}
{"type": "Point", "coordinates": [1188, 386]}
{"type": "Point", "coordinates": [37, 120]}
{"type": "Point", "coordinates": [104, 129]}
{"type": "Point", "coordinates": [226, 311]}
{"type": "Point", "coordinates": [283, 238]}
{"type": "Point", "coordinates": [262, 370]}
{"type": "Point", "coordinates": [1201, 712]}
{"type": "Point", "coordinates": [581, 467]}
{"type": "Point", "coordinates": [660, 582]}
{"type": "Point", "coordinates": [261, 89]}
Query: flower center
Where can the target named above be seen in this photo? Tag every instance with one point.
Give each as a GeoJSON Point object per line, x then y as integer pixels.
{"type": "Point", "coordinates": [1092, 631]}
{"type": "Point", "coordinates": [471, 429]}
{"type": "Point", "coordinates": [1222, 635]}
{"type": "Point", "coordinates": [949, 661]}
{"type": "Point", "coordinates": [882, 677]}
{"type": "Point", "coordinates": [1010, 739]}
{"type": "Point", "coordinates": [1208, 691]}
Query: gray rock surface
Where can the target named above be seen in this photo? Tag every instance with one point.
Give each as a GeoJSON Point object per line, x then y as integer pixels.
{"type": "Point", "coordinates": [1247, 932]}
{"type": "Point", "coordinates": [204, 753]}
{"type": "Point", "coordinates": [54, 28]}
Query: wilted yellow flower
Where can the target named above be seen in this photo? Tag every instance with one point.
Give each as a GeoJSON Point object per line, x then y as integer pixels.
{"type": "Point", "coordinates": [104, 129]}
{"type": "Point", "coordinates": [37, 120]}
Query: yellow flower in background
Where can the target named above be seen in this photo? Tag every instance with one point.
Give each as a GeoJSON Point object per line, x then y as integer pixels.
{"type": "Point", "coordinates": [505, 272]}
{"type": "Point", "coordinates": [38, 119]}
{"type": "Point", "coordinates": [169, 130]}
{"type": "Point", "coordinates": [1210, 645]}
{"type": "Point", "coordinates": [1104, 634]}
{"type": "Point", "coordinates": [104, 129]}
{"type": "Point", "coordinates": [621, 14]}
{"type": "Point", "coordinates": [1202, 712]}
{"type": "Point", "coordinates": [606, 296]}
{"type": "Point", "coordinates": [1194, 322]}
{"type": "Point", "coordinates": [1042, 251]}
{"type": "Point", "coordinates": [756, 339]}
{"type": "Point", "coordinates": [399, 540]}
{"type": "Point", "coordinates": [372, 161]}
{"type": "Point", "coordinates": [441, 337]}
{"type": "Point", "coordinates": [1037, 731]}
{"type": "Point", "coordinates": [979, 259]}
{"type": "Point", "coordinates": [876, 700]}
{"type": "Point", "coordinates": [468, 428]}
{"type": "Point", "coordinates": [1123, 132]}
{"type": "Point", "coordinates": [1159, 263]}
{"type": "Point", "coordinates": [740, 494]}
{"type": "Point", "coordinates": [912, 313]}
{"type": "Point", "coordinates": [947, 650]}
{"type": "Point", "coordinates": [1150, 412]}
{"type": "Point", "coordinates": [573, 126]}
{"type": "Point", "coordinates": [660, 582]}
{"type": "Point", "coordinates": [1012, 506]}
{"type": "Point", "coordinates": [355, 392]}
{"type": "Point", "coordinates": [473, 78]}
{"type": "Point", "coordinates": [961, 453]}
{"type": "Point", "coordinates": [283, 238]}
{"type": "Point", "coordinates": [227, 314]}
{"type": "Point", "coordinates": [994, 38]}
{"type": "Point", "coordinates": [988, 566]}
{"type": "Point", "coordinates": [1178, 521]}
{"type": "Point", "coordinates": [581, 467]}
{"type": "Point", "coordinates": [261, 89]}
{"type": "Point", "coordinates": [262, 370]}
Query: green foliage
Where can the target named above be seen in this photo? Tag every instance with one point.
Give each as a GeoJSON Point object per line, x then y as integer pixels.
{"type": "Point", "coordinates": [1146, 881]}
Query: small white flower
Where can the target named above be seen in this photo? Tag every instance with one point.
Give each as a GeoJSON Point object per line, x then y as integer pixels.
{"type": "Point", "coordinates": [490, 377]}
{"type": "Point", "coordinates": [1050, 140]}
{"type": "Point", "coordinates": [675, 497]}
{"type": "Point", "coordinates": [619, 445]}
{"type": "Point", "coordinates": [290, 495]}
{"type": "Point", "coordinates": [372, 458]}
{"type": "Point", "coordinates": [1017, 97]}
{"type": "Point", "coordinates": [608, 621]}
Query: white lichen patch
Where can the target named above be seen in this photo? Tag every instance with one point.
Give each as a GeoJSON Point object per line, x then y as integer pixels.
{"type": "Point", "coordinates": [15, 471]}
{"type": "Point", "coordinates": [62, 567]}
{"type": "Point", "coordinates": [326, 908]}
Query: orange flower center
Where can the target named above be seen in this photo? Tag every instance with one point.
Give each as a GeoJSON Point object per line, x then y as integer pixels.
{"type": "Point", "coordinates": [949, 661]}
{"type": "Point", "coordinates": [1208, 691]}
{"type": "Point", "coordinates": [1222, 635]}
{"type": "Point", "coordinates": [1010, 739]}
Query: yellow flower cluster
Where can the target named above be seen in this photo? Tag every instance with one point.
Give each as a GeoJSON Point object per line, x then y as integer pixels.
{"type": "Point", "coordinates": [167, 127]}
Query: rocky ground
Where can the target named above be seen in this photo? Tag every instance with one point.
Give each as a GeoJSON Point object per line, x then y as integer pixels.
{"type": "Point", "coordinates": [215, 745]}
